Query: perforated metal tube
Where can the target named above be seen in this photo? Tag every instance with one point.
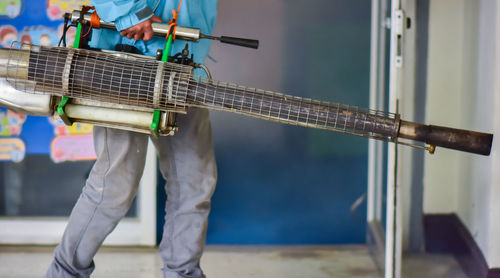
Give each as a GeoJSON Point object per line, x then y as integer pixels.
{"type": "Point", "coordinates": [134, 82]}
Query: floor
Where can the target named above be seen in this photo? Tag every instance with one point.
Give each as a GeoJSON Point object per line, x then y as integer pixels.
{"type": "Point", "coordinates": [235, 262]}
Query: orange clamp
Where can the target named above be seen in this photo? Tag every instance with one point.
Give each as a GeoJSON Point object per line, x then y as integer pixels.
{"type": "Point", "coordinates": [173, 22]}
{"type": "Point", "coordinates": [95, 21]}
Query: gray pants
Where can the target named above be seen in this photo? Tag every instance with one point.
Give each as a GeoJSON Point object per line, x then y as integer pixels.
{"type": "Point", "coordinates": [187, 163]}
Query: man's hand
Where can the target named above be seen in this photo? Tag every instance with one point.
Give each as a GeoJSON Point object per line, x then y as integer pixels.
{"type": "Point", "coordinates": [142, 30]}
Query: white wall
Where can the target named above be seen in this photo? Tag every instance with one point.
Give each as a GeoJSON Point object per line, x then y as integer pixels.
{"type": "Point", "coordinates": [462, 92]}
{"type": "Point", "coordinates": [493, 254]}
{"type": "Point", "coordinates": [443, 89]}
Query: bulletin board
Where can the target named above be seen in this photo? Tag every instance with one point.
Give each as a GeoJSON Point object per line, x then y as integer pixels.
{"type": "Point", "coordinates": [40, 23]}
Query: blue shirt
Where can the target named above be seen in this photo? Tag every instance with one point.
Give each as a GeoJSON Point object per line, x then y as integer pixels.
{"type": "Point", "coordinates": [127, 13]}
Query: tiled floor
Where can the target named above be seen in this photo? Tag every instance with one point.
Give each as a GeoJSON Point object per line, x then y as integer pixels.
{"type": "Point", "coordinates": [235, 262]}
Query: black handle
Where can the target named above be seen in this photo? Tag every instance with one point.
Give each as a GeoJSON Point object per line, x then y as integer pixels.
{"type": "Point", "coordinates": [240, 41]}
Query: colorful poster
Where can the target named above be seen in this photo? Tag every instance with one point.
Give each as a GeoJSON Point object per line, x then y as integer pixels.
{"type": "Point", "coordinates": [8, 34]}
{"type": "Point", "coordinates": [60, 128]}
{"type": "Point", "coordinates": [39, 35]}
{"type": "Point", "coordinates": [41, 23]}
{"type": "Point", "coordinates": [12, 149]}
{"type": "Point", "coordinates": [30, 29]}
{"type": "Point", "coordinates": [11, 123]}
{"type": "Point", "coordinates": [10, 8]}
{"type": "Point", "coordinates": [72, 148]}
{"type": "Point", "coordinates": [71, 143]}
{"type": "Point", "coordinates": [57, 8]}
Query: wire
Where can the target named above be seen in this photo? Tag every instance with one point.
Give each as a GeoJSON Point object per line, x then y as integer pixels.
{"type": "Point", "coordinates": [88, 31]}
{"type": "Point", "coordinates": [65, 30]}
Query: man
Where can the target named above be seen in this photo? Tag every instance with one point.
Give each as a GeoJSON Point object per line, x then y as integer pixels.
{"type": "Point", "coordinates": [186, 160]}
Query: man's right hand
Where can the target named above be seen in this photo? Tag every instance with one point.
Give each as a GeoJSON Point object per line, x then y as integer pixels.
{"type": "Point", "coordinates": [142, 31]}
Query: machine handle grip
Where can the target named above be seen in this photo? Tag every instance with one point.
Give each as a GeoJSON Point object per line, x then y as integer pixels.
{"type": "Point", "coordinates": [240, 41]}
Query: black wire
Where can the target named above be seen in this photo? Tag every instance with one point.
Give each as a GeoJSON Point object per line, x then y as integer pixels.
{"type": "Point", "coordinates": [65, 30]}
